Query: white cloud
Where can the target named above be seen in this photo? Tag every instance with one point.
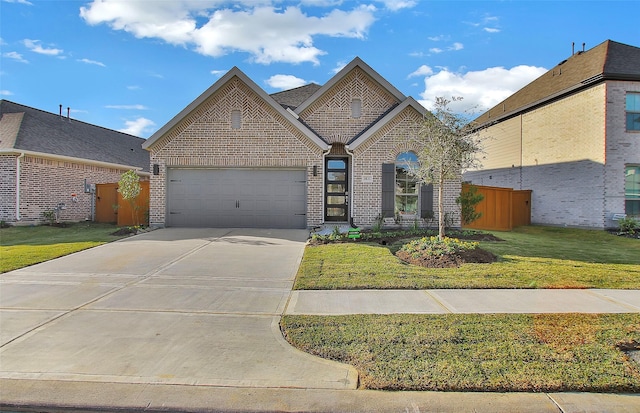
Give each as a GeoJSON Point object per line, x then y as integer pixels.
{"type": "Point", "coordinates": [5, 93]}
{"type": "Point", "coordinates": [423, 70]}
{"type": "Point", "coordinates": [284, 82]}
{"type": "Point", "coordinates": [15, 56]}
{"type": "Point", "coordinates": [481, 89]}
{"type": "Point", "coordinates": [218, 72]}
{"type": "Point", "coordinates": [138, 126]}
{"type": "Point", "coordinates": [134, 87]}
{"type": "Point", "coordinates": [436, 50]}
{"type": "Point", "coordinates": [439, 38]}
{"type": "Point", "coordinates": [128, 107]}
{"type": "Point", "coordinates": [491, 30]}
{"type": "Point", "coordinates": [36, 47]}
{"type": "Point", "coordinates": [28, 3]}
{"type": "Point", "coordinates": [92, 62]}
{"type": "Point", "coordinates": [396, 5]}
{"type": "Point", "coordinates": [456, 46]}
{"type": "Point", "coordinates": [267, 33]}
{"type": "Point", "coordinates": [339, 66]}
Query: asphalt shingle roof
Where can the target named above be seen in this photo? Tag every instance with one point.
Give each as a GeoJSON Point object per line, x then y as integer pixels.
{"type": "Point", "coordinates": [608, 60]}
{"type": "Point", "coordinates": [51, 133]}
{"type": "Point", "coordinates": [293, 98]}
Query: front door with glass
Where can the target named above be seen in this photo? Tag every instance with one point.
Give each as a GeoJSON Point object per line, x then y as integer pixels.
{"type": "Point", "coordinates": [336, 189]}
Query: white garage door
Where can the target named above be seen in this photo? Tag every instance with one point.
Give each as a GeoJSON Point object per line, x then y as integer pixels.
{"type": "Point", "coordinates": [236, 198]}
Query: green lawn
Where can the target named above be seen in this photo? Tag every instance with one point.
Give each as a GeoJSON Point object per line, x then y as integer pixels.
{"type": "Point", "coordinates": [530, 257]}
{"type": "Point", "coordinates": [499, 352]}
{"type": "Point", "coordinates": [23, 246]}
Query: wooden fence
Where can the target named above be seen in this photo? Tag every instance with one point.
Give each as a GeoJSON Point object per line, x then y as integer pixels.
{"type": "Point", "coordinates": [110, 207]}
{"type": "Point", "coordinates": [502, 208]}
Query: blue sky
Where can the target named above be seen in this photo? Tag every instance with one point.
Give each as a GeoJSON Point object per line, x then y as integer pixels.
{"type": "Point", "coordinates": [131, 65]}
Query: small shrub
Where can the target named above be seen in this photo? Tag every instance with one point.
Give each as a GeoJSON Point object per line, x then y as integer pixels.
{"type": "Point", "coordinates": [629, 225]}
{"type": "Point", "coordinates": [433, 246]}
{"type": "Point", "coordinates": [378, 223]}
{"type": "Point", "coordinates": [468, 201]}
{"type": "Point", "coordinates": [50, 216]}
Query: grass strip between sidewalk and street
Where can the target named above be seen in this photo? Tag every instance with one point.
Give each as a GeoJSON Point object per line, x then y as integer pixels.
{"type": "Point", "coordinates": [529, 257]}
{"type": "Point", "coordinates": [470, 352]}
{"type": "Point", "coordinates": [22, 246]}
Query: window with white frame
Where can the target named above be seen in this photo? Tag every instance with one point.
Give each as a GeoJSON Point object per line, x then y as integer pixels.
{"type": "Point", "coordinates": [632, 108]}
{"type": "Point", "coordinates": [407, 188]}
{"type": "Point", "coordinates": [632, 190]}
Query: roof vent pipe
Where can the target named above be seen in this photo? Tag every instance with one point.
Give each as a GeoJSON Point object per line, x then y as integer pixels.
{"type": "Point", "coordinates": [583, 45]}
{"type": "Point", "coordinates": [68, 114]}
{"type": "Point", "coordinates": [573, 48]}
{"type": "Point", "coordinates": [60, 111]}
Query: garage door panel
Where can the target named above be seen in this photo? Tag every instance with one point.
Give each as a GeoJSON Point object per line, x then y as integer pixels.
{"type": "Point", "coordinates": [260, 198]}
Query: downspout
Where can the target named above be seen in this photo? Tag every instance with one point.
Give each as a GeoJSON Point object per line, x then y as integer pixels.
{"type": "Point", "coordinates": [18, 218]}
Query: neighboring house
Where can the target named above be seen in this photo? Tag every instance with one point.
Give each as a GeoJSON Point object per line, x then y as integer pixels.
{"type": "Point", "coordinates": [573, 137]}
{"type": "Point", "coordinates": [49, 159]}
{"type": "Point", "coordinates": [337, 153]}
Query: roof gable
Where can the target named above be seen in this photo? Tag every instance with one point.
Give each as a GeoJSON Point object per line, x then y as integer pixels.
{"type": "Point", "coordinates": [608, 60]}
{"type": "Point", "coordinates": [218, 85]}
{"type": "Point", "coordinates": [52, 134]}
{"type": "Point", "coordinates": [386, 120]}
{"type": "Point", "coordinates": [357, 62]}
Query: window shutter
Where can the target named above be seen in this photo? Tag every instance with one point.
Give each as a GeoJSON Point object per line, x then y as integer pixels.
{"type": "Point", "coordinates": [388, 189]}
{"type": "Point", "coordinates": [426, 200]}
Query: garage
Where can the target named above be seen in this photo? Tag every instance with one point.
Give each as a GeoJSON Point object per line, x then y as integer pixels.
{"type": "Point", "coordinates": [236, 198]}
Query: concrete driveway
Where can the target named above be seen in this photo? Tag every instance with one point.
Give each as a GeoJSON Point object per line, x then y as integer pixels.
{"type": "Point", "coordinates": [172, 306]}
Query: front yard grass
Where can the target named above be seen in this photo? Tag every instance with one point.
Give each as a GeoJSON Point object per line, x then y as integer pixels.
{"type": "Point", "coordinates": [470, 352]}
{"type": "Point", "coordinates": [23, 246]}
{"type": "Point", "coordinates": [529, 257]}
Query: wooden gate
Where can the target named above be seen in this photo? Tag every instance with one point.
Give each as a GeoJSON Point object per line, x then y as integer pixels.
{"type": "Point", "coordinates": [502, 208]}
{"type": "Point", "coordinates": [111, 208]}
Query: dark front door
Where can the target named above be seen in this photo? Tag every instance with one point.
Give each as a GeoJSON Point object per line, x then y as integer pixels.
{"type": "Point", "coordinates": [336, 189]}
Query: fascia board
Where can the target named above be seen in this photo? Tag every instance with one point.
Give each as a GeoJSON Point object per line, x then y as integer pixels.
{"type": "Point", "coordinates": [390, 116]}
{"type": "Point", "coordinates": [213, 89]}
{"type": "Point", "coordinates": [357, 62]}
{"type": "Point", "coordinates": [64, 158]}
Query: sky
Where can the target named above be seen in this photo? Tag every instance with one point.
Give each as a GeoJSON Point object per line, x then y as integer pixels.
{"type": "Point", "coordinates": [132, 65]}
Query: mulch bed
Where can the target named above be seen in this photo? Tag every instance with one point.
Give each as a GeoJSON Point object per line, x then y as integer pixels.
{"type": "Point", "coordinates": [125, 231]}
{"type": "Point", "coordinates": [477, 255]}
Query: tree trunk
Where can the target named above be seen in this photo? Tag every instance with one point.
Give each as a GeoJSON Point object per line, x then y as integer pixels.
{"type": "Point", "coordinates": [441, 206]}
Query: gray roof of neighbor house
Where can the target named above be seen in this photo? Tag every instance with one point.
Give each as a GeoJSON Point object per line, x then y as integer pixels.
{"type": "Point", "coordinates": [35, 130]}
{"type": "Point", "coordinates": [293, 98]}
{"type": "Point", "coordinates": [607, 61]}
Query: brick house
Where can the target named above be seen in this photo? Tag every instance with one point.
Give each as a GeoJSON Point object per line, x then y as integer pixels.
{"type": "Point", "coordinates": [48, 159]}
{"type": "Point", "coordinates": [336, 153]}
{"type": "Point", "coordinates": [573, 137]}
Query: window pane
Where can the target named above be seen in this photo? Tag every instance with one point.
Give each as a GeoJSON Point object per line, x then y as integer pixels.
{"type": "Point", "coordinates": [335, 188]}
{"type": "Point", "coordinates": [335, 176]}
{"type": "Point", "coordinates": [407, 204]}
{"type": "Point", "coordinates": [632, 182]}
{"type": "Point", "coordinates": [632, 208]}
{"type": "Point", "coordinates": [336, 200]}
{"type": "Point", "coordinates": [633, 102]}
{"type": "Point", "coordinates": [336, 212]}
{"type": "Point", "coordinates": [336, 164]}
{"type": "Point", "coordinates": [633, 121]}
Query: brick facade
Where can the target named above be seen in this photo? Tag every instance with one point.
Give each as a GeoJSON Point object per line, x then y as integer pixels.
{"type": "Point", "coordinates": [571, 152]}
{"type": "Point", "coordinates": [203, 137]}
{"type": "Point", "coordinates": [47, 182]}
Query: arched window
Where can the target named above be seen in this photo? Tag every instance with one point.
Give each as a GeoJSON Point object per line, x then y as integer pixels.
{"type": "Point", "coordinates": [406, 185]}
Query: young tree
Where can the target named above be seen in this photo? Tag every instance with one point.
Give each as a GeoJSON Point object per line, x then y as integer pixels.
{"type": "Point", "coordinates": [129, 187]}
{"type": "Point", "coordinates": [448, 146]}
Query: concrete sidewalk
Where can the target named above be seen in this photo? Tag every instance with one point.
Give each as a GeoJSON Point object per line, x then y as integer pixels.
{"type": "Point", "coordinates": [339, 302]}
